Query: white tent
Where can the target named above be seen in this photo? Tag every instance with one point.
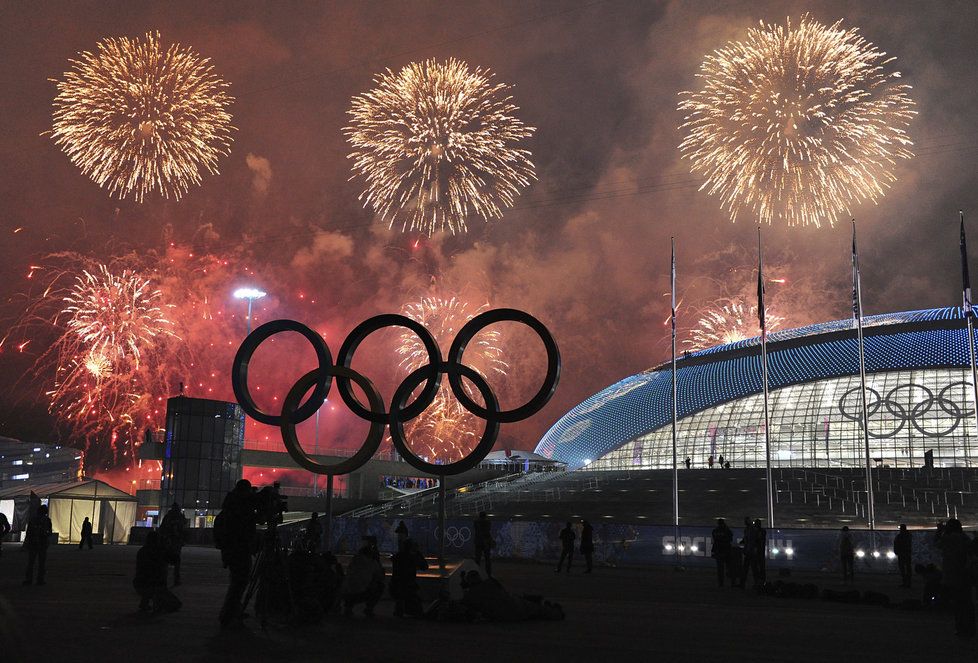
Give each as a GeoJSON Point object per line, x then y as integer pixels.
{"type": "Point", "coordinates": [111, 511]}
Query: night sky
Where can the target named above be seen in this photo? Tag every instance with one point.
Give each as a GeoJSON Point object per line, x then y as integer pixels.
{"type": "Point", "coordinates": [586, 248]}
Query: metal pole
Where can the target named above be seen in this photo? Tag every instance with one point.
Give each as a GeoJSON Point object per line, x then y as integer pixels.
{"type": "Point", "coordinates": [871, 512]}
{"type": "Point", "coordinates": [329, 512]}
{"type": "Point", "coordinates": [767, 428]}
{"type": "Point", "coordinates": [675, 391]}
{"type": "Point", "coordinates": [974, 382]}
{"type": "Point", "coordinates": [441, 526]}
{"type": "Point", "coordinates": [249, 317]}
{"type": "Point", "coordinates": [767, 434]}
{"type": "Point", "coordinates": [315, 477]}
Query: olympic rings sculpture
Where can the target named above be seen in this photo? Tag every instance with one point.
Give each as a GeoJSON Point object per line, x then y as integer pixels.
{"type": "Point", "coordinates": [320, 379]}
{"type": "Point", "coordinates": [875, 403]}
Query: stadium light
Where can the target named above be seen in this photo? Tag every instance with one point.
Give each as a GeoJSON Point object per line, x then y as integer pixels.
{"type": "Point", "coordinates": [251, 294]}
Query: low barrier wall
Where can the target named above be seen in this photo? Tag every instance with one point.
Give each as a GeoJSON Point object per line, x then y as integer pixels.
{"type": "Point", "coordinates": [636, 545]}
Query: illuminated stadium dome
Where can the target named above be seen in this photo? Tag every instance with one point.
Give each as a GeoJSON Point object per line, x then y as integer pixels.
{"type": "Point", "coordinates": [919, 396]}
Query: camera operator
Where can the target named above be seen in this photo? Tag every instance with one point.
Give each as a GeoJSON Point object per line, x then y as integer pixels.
{"type": "Point", "coordinates": [236, 537]}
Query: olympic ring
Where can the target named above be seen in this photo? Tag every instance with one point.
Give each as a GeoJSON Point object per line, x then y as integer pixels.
{"type": "Point", "coordinates": [917, 411]}
{"type": "Point", "coordinates": [294, 411]}
{"type": "Point", "coordinates": [239, 371]}
{"type": "Point", "coordinates": [370, 444]}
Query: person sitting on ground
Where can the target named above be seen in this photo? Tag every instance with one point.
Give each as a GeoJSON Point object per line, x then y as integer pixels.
{"type": "Point", "coordinates": [406, 563]}
{"type": "Point", "coordinates": [487, 598]}
{"type": "Point", "coordinates": [150, 580]}
{"type": "Point", "coordinates": [332, 582]}
{"type": "Point", "coordinates": [364, 581]}
{"type": "Point", "coordinates": [933, 596]}
{"type": "Point", "coordinates": [173, 531]}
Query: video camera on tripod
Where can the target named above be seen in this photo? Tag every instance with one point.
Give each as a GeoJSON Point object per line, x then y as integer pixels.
{"type": "Point", "coordinates": [270, 505]}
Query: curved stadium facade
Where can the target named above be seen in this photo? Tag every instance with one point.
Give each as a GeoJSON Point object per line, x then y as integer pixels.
{"type": "Point", "coordinates": [919, 398]}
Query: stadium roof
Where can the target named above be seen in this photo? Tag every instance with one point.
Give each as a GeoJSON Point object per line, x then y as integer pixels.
{"type": "Point", "coordinates": [641, 403]}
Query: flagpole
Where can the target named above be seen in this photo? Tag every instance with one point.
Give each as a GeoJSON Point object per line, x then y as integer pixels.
{"type": "Point", "coordinates": [858, 310]}
{"type": "Point", "coordinates": [969, 317]}
{"type": "Point", "coordinates": [675, 391]}
{"type": "Point", "coordinates": [767, 431]}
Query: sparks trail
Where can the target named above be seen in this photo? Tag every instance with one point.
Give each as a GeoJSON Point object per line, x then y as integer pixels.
{"type": "Point", "coordinates": [797, 123]}
{"type": "Point", "coordinates": [437, 143]}
{"type": "Point", "coordinates": [137, 117]}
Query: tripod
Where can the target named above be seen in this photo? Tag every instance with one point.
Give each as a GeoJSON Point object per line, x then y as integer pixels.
{"type": "Point", "coordinates": [269, 581]}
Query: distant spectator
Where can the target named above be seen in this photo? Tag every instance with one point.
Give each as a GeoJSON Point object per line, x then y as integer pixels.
{"type": "Point", "coordinates": [760, 553]}
{"type": "Point", "coordinates": [710, 461]}
{"type": "Point", "coordinates": [402, 534]}
{"type": "Point", "coordinates": [722, 542]}
{"type": "Point", "coordinates": [313, 533]}
{"type": "Point", "coordinates": [721, 460]}
{"type": "Point", "coordinates": [86, 534]}
{"type": "Point", "coordinates": [587, 545]}
{"type": "Point", "coordinates": [689, 462]}
{"type": "Point", "coordinates": [150, 580]}
{"type": "Point", "coordinates": [173, 531]}
{"type": "Point", "coordinates": [749, 550]}
{"type": "Point", "coordinates": [364, 581]}
{"type": "Point", "coordinates": [36, 542]}
{"type": "Point", "coordinates": [726, 465]}
{"type": "Point", "coordinates": [903, 548]}
{"type": "Point", "coordinates": [567, 537]}
{"type": "Point", "coordinates": [4, 530]}
{"type": "Point", "coordinates": [483, 541]}
{"type": "Point", "coordinates": [847, 554]}
{"type": "Point", "coordinates": [405, 564]}
{"type": "Point", "coordinates": [957, 556]}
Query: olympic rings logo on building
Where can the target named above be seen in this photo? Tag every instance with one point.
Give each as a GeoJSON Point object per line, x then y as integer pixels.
{"type": "Point", "coordinates": [320, 379]}
{"type": "Point", "coordinates": [889, 407]}
{"type": "Point", "coordinates": [456, 537]}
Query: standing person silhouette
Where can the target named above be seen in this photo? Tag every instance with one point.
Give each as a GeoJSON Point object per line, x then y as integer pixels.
{"type": "Point", "coordinates": [236, 536]}
{"type": "Point", "coordinates": [847, 555]}
{"type": "Point", "coordinates": [903, 547]}
{"type": "Point", "coordinates": [482, 539]}
{"type": "Point", "coordinates": [4, 529]}
{"type": "Point", "coordinates": [722, 543]}
{"type": "Point", "coordinates": [689, 462]}
{"type": "Point", "coordinates": [86, 534]}
{"type": "Point", "coordinates": [587, 545]}
{"type": "Point", "coordinates": [749, 542]}
{"type": "Point", "coordinates": [36, 542]}
{"type": "Point", "coordinates": [957, 557]}
{"type": "Point", "coordinates": [567, 537]}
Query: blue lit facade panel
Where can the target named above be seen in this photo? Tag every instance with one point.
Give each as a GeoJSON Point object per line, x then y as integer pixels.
{"type": "Point", "coordinates": [641, 403]}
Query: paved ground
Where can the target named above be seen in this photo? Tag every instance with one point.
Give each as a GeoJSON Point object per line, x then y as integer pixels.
{"type": "Point", "coordinates": [87, 611]}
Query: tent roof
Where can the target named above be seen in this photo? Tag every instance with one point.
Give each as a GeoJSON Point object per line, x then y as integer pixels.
{"type": "Point", "coordinates": [85, 489]}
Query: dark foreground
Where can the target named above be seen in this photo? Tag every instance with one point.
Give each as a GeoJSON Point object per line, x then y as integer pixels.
{"type": "Point", "coordinates": [87, 611]}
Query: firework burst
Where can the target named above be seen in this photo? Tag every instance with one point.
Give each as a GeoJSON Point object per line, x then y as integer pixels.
{"type": "Point", "coordinates": [138, 117]}
{"type": "Point", "coordinates": [446, 431]}
{"type": "Point", "coordinates": [436, 143]}
{"type": "Point", "coordinates": [796, 123]}
{"type": "Point", "coordinates": [112, 356]}
{"type": "Point", "coordinates": [728, 322]}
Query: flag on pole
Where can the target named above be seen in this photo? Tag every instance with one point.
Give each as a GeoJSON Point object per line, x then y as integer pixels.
{"type": "Point", "coordinates": [760, 284]}
{"type": "Point", "coordinates": [856, 308]}
{"type": "Point", "coordinates": [965, 279]}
